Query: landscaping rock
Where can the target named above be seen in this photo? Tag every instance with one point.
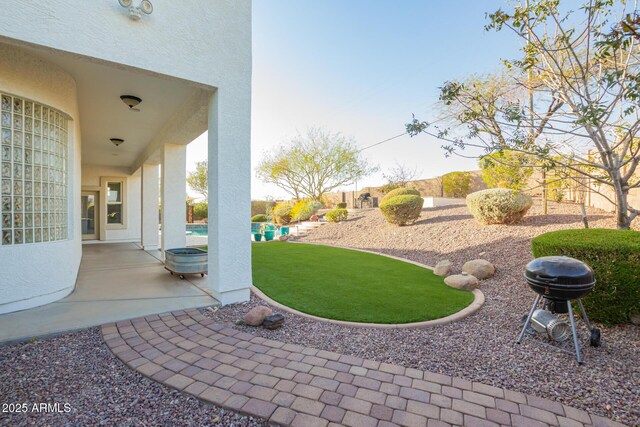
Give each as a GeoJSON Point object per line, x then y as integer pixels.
{"type": "Point", "coordinates": [480, 268]}
{"type": "Point", "coordinates": [443, 268]}
{"type": "Point", "coordinates": [284, 238]}
{"type": "Point", "coordinates": [256, 315]}
{"type": "Point", "coordinates": [274, 321]}
{"type": "Point", "coordinates": [314, 218]}
{"type": "Point", "coordinates": [635, 318]}
{"type": "Point", "coordinates": [462, 281]}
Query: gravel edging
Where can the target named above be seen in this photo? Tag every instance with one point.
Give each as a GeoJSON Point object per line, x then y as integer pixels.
{"type": "Point", "coordinates": [475, 305]}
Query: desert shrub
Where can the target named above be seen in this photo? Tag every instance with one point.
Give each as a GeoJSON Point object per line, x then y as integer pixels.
{"type": "Point", "coordinates": [303, 210]}
{"type": "Point", "coordinates": [201, 210]}
{"type": "Point", "coordinates": [614, 256]}
{"type": "Point", "coordinates": [456, 184]}
{"type": "Point", "coordinates": [259, 218]}
{"type": "Point", "coordinates": [401, 192]}
{"type": "Point", "coordinates": [282, 213]}
{"type": "Point", "coordinates": [341, 205]}
{"type": "Point", "coordinates": [498, 205]}
{"type": "Point", "coordinates": [402, 210]}
{"type": "Point", "coordinates": [337, 215]}
{"type": "Point", "coordinates": [507, 169]}
{"type": "Point", "coordinates": [261, 206]}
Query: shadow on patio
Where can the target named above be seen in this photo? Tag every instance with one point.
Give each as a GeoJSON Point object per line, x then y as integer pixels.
{"type": "Point", "coordinates": [116, 281]}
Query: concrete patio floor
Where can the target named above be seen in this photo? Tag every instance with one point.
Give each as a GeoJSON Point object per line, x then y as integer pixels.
{"type": "Point", "coordinates": [116, 281]}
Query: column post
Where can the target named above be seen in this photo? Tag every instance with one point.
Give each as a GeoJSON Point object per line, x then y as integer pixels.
{"type": "Point", "coordinates": [174, 196]}
{"type": "Point", "coordinates": [150, 207]}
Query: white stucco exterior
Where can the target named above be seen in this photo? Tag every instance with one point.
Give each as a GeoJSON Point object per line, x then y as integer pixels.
{"type": "Point", "coordinates": [190, 63]}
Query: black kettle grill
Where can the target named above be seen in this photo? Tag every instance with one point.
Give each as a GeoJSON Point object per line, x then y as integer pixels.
{"type": "Point", "coordinates": [558, 280]}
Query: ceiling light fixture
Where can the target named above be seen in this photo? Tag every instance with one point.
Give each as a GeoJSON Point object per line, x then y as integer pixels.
{"type": "Point", "coordinates": [131, 101]}
{"type": "Point", "coordinates": [117, 141]}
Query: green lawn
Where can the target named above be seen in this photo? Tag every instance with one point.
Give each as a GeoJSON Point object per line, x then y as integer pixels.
{"type": "Point", "coordinates": [349, 285]}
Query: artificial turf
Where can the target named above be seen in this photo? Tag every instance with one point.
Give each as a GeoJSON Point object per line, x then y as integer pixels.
{"type": "Point", "coordinates": [350, 285]}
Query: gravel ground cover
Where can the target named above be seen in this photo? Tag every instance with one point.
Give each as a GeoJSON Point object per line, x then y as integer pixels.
{"type": "Point", "coordinates": [78, 369]}
{"type": "Point", "coordinates": [481, 347]}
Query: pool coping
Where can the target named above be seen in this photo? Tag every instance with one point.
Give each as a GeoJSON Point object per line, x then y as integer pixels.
{"type": "Point", "coordinates": [472, 308]}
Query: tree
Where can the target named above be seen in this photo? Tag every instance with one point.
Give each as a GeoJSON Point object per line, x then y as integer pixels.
{"type": "Point", "coordinates": [398, 177]}
{"type": "Point", "coordinates": [198, 179]}
{"type": "Point", "coordinates": [311, 165]}
{"type": "Point", "coordinates": [507, 169]}
{"type": "Point", "coordinates": [456, 184]}
{"type": "Point", "coordinates": [571, 100]}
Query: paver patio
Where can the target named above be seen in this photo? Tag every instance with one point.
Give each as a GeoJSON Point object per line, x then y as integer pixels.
{"type": "Point", "coordinates": [293, 385]}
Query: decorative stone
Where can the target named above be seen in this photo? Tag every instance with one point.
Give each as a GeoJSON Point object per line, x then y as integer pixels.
{"type": "Point", "coordinates": [283, 238]}
{"type": "Point", "coordinates": [443, 268]}
{"type": "Point", "coordinates": [480, 268]}
{"type": "Point", "coordinates": [462, 281]}
{"type": "Point", "coordinates": [256, 315]}
{"type": "Point", "coordinates": [314, 218]}
{"type": "Point", "coordinates": [635, 318]}
{"type": "Point", "coordinates": [274, 321]}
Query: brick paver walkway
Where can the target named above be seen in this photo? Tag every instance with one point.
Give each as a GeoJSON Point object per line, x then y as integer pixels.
{"type": "Point", "coordinates": [290, 384]}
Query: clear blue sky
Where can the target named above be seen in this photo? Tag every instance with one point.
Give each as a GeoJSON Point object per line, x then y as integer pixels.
{"type": "Point", "coordinates": [362, 67]}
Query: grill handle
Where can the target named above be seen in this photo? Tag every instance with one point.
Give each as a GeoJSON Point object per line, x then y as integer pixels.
{"type": "Point", "coordinates": [547, 279]}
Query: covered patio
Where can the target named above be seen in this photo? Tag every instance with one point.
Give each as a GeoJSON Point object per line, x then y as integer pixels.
{"type": "Point", "coordinates": [116, 281]}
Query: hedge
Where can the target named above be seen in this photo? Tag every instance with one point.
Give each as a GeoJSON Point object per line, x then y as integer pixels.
{"type": "Point", "coordinates": [337, 215]}
{"type": "Point", "coordinates": [498, 206]}
{"type": "Point", "coordinates": [614, 256]}
{"type": "Point", "coordinates": [341, 205]}
{"type": "Point", "coordinates": [402, 210]}
{"type": "Point", "coordinates": [401, 192]}
{"type": "Point", "coordinates": [259, 218]}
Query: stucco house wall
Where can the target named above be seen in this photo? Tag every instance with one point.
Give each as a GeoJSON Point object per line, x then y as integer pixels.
{"type": "Point", "coordinates": [24, 266]}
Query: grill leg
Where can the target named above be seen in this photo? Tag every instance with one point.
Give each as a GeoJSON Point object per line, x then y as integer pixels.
{"type": "Point", "coordinates": [526, 323]}
{"type": "Point", "coordinates": [575, 334]}
{"type": "Point", "coordinates": [584, 315]}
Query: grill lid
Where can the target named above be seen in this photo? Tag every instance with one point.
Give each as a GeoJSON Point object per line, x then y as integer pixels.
{"type": "Point", "coordinates": [559, 270]}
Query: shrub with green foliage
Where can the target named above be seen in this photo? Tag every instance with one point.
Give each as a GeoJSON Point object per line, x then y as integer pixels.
{"type": "Point", "coordinates": [402, 210]}
{"type": "Point", "coordinates": [507, 169]}
{"type": "Point", "coordinates": [201, 210]}
{"type": "Point", "coordinates": [337, 215]}
{"type": "Point", "coordinates": [282, 213]}
{"type": "Point", "coordinates": [614, 256]}
{"type": "Point", "coordinates": [456, 184]}
{"type": "Point", "coordinates": [341, 205]}
{"type": "Point", "coordinates": [303, 210]}
{"type": "Point", "coordinates": [259, 218]}
{"type": "Point", "coordinates": [498, 205]}
{"type": "Point", "coordinates": [401, 192]}
{"type": "Point", "coordinates": [261, 206]}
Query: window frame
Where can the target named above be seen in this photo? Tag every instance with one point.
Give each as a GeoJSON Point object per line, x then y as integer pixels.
{"type": "Point", "coordinates": [104, 184]}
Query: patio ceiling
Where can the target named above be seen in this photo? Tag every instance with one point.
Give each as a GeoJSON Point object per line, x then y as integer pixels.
{"type": "Point", "coordinates": [103, 115]}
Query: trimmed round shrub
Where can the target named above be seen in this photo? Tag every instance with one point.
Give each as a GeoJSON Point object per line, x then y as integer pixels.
{"type": "Point", "coordinates": [341, 205]}
{"type": "Point", "coordinates": [303, 209]}
{"type": "Point", "coordinates": [402, 210]}
{"type": "Point", "coordinates": [282, 213]}
{"type": "Point", "coordinates": [259, 218]}
{"type": "Point", "coordinates": [498, 205]}
{"type": "Point", "coordinates": [201, 210]}
{"type": "Point", "coordinates": [401, 192]}
{"type": "Point", "coordinates": [614, 256]}
{"type": "Point", "coordinates": [337, 215]}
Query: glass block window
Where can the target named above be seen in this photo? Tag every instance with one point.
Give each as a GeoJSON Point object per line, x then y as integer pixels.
{"type": "Point", "coordinates": [33, 172]}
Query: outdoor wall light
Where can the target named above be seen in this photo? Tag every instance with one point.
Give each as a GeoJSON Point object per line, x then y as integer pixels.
{"type": "Point", "coordinates": [135, 12]}
{"type": "Point", "coordinates": [131, 101]}
{"type": "Point", "coordinates": [117, 141]}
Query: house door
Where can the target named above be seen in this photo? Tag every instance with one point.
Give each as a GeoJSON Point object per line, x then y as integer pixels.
{"type": "Point", "coordinates": [89, 204]}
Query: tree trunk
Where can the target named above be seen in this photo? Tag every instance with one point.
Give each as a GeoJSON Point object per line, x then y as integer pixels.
{"type": "Point", "coordinates": [622, 208]}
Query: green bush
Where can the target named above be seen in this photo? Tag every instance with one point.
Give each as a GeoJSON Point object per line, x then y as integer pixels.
{"type": "Point", "coordinates": [456, 184]}
{"type": "Point", "coordinates": [402, 210]}
{"type": "Point", "coordinates": [282, 213]}
{"type": "Point", "coordinates": [259, 218]}
{"type": "Point", "coordinates": [507, 169]}
{"type": "Point", "coordinates": [337, 215]}
{"type": "Point", "coordinates": [303, 210]}
{"type": "Point", "coordinates": [201, 210]}
{"type": "Point", "coordinates": [260, 206]}
{"type": "Point", "coordinates": [341, 205]}
{"type": "Point", "coordinates": [498, 205]}
{"type": "Point", "coordinates": [614, 256]}
{"type": "Point", "coordinates": [401, 192]}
